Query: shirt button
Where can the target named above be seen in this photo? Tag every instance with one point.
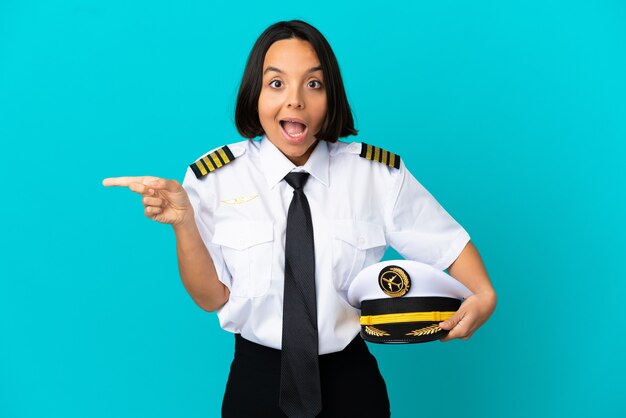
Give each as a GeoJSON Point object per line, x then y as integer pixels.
{"type": "Point", "coordinates": [354, 147]}
{"type": "Point", "coordinates": [362, 241]}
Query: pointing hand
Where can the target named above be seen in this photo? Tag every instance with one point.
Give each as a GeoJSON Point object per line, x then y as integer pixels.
{"type": "Point", "coordinates": [164, 201]}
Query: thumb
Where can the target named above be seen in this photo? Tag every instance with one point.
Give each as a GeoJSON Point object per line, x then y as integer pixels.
{"type": "Point", "coordinates": [450, 323]}
{"type": "Point", "coordinates": [163, 184]}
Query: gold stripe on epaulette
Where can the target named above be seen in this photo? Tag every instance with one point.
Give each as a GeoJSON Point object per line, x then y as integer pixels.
{"type": "Point", "coordinates": [368, 155]}
{"type": "Point", "coordinates": [199, 166]}
{"type": "Point", "coordinates": [223, 155]}
{"type": "Point", "coordinates": [372, 153]}
{"type": "Point", "coordinates": [215, 159]}
{"type": "Point", "coordinates": [212, 161]}
{"type": "Point", "coordinates": [208, 163]}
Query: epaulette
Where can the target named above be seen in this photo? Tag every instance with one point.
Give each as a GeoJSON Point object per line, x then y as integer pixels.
{"type": "Point", "coordinates": [212, 161]}
{"type": "Point", "coordinates": [370, 152]}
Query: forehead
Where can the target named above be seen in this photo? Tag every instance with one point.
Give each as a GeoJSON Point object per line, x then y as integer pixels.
{"type": "Point", "coordinates": [291, 56]}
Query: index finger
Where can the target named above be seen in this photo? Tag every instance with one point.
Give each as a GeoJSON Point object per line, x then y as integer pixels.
{"type": "Point", "coordinates": [125, 181]}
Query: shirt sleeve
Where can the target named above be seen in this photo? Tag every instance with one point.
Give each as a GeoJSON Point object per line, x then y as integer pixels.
{"type": "Point", "coordinates": [418, 227]}
{"type": "Point", "coordinates": [200, 195]}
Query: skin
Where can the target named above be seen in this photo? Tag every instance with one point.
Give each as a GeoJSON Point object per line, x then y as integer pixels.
{"type": "Point", "coordinates": [165, 201]}
{"type": "Point", "coordinates": [293, 87]}
{"type": "Point", "coordinates": [469, 269]}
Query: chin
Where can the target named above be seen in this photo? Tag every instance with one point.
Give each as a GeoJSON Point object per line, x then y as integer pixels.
{"type": "Point", "coordinates": [296, 151]}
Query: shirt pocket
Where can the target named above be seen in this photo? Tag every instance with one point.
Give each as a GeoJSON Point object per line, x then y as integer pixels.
{"type": "Point", "coordinates": [356, 244]}
{"type": "Point", "coordinates": [247, 251]}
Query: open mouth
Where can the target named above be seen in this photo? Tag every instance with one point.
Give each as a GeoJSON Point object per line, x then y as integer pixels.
{"type": "Point", "coordinates": [294, 128]}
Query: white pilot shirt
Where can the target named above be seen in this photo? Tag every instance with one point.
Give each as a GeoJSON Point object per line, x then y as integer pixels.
{"type": "Point", "coordinates": [359, 208]}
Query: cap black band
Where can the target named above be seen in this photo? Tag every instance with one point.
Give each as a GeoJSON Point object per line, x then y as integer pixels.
{"type": "Point", "coordinates": [406, 305]}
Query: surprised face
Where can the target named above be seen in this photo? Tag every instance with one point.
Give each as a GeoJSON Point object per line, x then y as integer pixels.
{"type": "Point", "coordinates": [292, 103]}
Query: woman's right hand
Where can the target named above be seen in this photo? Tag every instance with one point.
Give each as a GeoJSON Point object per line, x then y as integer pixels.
{"type": "Point", "coordinates": [164, 200]}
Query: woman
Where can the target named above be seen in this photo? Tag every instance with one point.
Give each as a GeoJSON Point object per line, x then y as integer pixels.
{"type": "Point", "coordinates": [275, 257]}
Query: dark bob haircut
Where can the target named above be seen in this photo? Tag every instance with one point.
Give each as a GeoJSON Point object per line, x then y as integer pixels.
{"type": "Point", "coordinates": [338, 122]}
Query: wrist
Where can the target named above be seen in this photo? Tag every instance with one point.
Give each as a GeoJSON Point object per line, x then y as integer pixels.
{"type": "Point", "coordinates": [186, 224]}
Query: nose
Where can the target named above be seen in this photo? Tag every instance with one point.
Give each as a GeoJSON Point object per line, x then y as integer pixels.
{"type": "Point", "coordinates": [295, 100]}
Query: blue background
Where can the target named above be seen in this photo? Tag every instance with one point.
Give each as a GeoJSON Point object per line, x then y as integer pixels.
{"type": "Point", "coordinates": [513, 114]}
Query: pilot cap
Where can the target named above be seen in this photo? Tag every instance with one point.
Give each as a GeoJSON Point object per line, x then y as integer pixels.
{"type": "Point", "coordinates": [404, 301]}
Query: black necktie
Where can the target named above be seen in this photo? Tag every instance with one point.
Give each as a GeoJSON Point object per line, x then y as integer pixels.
{"type": "Point", "coordinates": [300, 391]}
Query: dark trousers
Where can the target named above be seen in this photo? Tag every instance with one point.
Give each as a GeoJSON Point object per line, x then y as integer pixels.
{"type": "Point", "coordinates": [352, 385]}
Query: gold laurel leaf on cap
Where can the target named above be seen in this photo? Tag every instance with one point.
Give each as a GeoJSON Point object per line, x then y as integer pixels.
{"type": "Point", "coordinates": [424, 331]}
{"type": "Point", "coordinates": [375, 331]}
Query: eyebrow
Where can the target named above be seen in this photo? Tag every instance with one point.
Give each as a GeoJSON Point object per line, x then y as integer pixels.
{"type": "Point", "coordinates": [278, 70]}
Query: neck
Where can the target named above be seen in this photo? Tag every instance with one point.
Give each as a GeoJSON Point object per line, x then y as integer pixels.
{"type": "Point", "coordinates": [300, 160]}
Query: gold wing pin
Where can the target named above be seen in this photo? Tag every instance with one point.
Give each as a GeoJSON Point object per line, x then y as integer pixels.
{"type": "Point", "coordinates": [239, 200]}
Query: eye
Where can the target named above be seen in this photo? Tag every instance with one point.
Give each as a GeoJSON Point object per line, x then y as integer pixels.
{"type": "Point", "coordinates": [315, 84]}
{"type": "Point", "coordinates": [276, 84]}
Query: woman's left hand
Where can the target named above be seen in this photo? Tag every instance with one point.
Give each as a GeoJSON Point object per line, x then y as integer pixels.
{"type": "Point", "coordinates": [474, 311]}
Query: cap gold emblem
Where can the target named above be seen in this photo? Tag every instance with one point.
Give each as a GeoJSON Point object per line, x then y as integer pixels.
{"type": "Point", "coordinates": [394, 281]}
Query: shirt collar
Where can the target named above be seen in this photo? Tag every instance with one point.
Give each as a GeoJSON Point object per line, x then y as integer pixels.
{"type": "Point", "coordinates": [276, 166]}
